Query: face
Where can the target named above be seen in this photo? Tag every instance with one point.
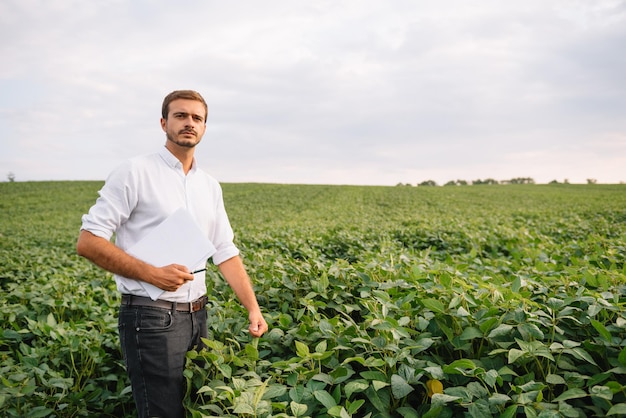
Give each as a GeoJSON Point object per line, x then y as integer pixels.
{"type": "Point", "coordinates": [185, 123]}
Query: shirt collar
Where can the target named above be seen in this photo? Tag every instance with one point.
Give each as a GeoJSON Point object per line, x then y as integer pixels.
{"type": "Point", "coordinates": [171, 160]}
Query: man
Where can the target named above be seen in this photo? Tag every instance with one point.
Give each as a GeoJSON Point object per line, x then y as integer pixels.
{"type": "Point", "coordinates": [155, 335]}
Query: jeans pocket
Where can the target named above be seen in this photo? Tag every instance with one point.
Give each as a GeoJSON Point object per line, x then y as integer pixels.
{"type": "Point", "coordinates": [153, 320]}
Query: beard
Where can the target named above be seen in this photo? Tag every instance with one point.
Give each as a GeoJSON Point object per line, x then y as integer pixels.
{"type": "Point", "coordinates": [181, 140]}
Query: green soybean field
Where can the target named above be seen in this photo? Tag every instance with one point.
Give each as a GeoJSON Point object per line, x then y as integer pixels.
{"type": "Point", "coordinates": [456, 301]}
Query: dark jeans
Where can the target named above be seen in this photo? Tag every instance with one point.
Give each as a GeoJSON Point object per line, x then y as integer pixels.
{"type": "Point", "coordinates": [154, 344]}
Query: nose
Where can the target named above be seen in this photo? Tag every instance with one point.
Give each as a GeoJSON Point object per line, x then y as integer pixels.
{"type": "Point", "coordinates": [190, 122]}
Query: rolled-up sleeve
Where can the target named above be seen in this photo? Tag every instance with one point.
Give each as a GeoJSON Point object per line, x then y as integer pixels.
{"type": "Point", "coordinates": [113, 206]}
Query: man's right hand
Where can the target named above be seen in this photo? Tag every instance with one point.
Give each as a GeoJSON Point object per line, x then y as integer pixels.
{"type": "Point", "coordinates": [170, 278]}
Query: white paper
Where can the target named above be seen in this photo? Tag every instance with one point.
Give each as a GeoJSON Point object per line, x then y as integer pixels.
{"type": "Point", "coordinates": [176, 240]}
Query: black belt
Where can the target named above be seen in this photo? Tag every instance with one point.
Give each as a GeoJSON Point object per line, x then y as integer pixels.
{"type": "Point", "coordinates": [193, 306]}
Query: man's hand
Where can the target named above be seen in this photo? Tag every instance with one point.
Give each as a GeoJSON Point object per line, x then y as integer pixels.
{"type": "Point", "coordinates": [258, 326]}
{"type": "Point", "coordinates": [171, 277]}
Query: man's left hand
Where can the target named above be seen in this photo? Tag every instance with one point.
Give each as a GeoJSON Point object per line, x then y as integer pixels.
{"type": "Point", "coordinates": [258, 326]}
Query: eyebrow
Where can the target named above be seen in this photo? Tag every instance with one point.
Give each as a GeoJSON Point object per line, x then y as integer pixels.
{"type": "Point", "coordinates": [187, 114]}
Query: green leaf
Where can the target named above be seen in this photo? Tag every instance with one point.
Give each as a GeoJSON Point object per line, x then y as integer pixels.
{"type": "Point", "coordinates": [297, 393]}
{"type": "Point", "coordinates": [441, 399]}
{"type": "Point", "coordinates": [435, 372]}
{"type": "Point", "coordinates": [462, 312]}
{"type": "Point", "coordinates": [535, 348]}
{"type": "Point", "coordinates": [326, 326]}
{"type": "Point", "coordinates": [399, 387]}
{"type": "Point", "coordinates": [506, 371]}
{"type": "Point", "coordinates": [434, 305]}
{"type": "Point", "coordinates": [9, 334]}
{"type": "Point", "coordinates": [324, 283]}
{"type": "Point", "coordinates": [530, 331]}
{"type": "Point", "coordinates": [377, 401]}
{"type": "Point", "coordinates": [479, 409]}
{"type": "Point", "coordinates": [501, 330]}
{"type": "Point", "coordinates": [487, 324]}
{"type": "Point", "coordinates": [499, 399]}
{"type": "Point", "coordinates": [571, 394]}
{"type": "Point", "coordinates": [340, 374]}
{"type": "Point", "coordinates": [297, 409]}
{"type": "Point", "coordinates": [40, 412]}
{"type": "Point", "coordinates": [604, 333]}
{"type": "Point", "coordinates": [510, 412]}
{"type": "Point", "coordinates": [603, 392]}
{"type": "Point", "coordinates": [373, 375]}
{"type": "Point", "coordinates": [324, 398]}
{"type": "Point", "coordinates": [532, 386]}
{"type": "Point", "coordinates": [433, 412]}
{"type": "Point", "coordinates": [377, 384]}
{"type": "Point", "coordinates": [582, 354]}
{"type": "Point", "coordinates": [338, 411]}
{"type": "Point", "coordinates": [407, 412]}
{"type": "Point", "coordinates": [355, 386]}
{"type": "Point", "coordinates": [458, 366]}
{"type": "Point", "coordinates": [50, 320]}
{"type": "Point", "coordinates": [374, 362]}
{"type": "Point", "coordinates": [243, 408]}
{"type": "Point", "coordinates": [470, 333]}
{"type": "Point", "coordinates": [358, 359]}
{"type": "Point", "coordinates": [622, 355]}
{"type": "Point", "coordinates": [492, 377]}
{"type": "Point", "coordinates": [555, 379]}
{"type": "Point", "coordinates": [596, 379]}
{"type": "Point", "coordinates": [225, 369]}
{"type": "Point", "coordinates": [570, 344]}
{"type": "Point", "coordinates": [618, 409]}
{"type": "Point", "coordinates": [615, 387]}
{"type": "Point", "coordinates": [445, 329]}
{"type": "Point", "coordinates": [352, 407]}
{"type": "Point", "coordinates": [274, 391]}
{"type": "Point", "coordinates": [323, 377]}
{"type": "Point", "coordinates": [530, 412]}
{"type": "Point", "coordinates": [302, 350]}
{"type": "Point", "coordinates": [321, 347]}
{"type": "Point", "coordinates": [251, 352]}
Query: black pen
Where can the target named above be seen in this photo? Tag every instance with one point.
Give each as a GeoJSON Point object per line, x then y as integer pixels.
{"type": "Point", "coordinates": [198, 271]}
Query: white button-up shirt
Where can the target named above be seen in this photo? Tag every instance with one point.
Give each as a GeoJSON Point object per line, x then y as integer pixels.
{"type": "Point", "coordinates": [142, 193]}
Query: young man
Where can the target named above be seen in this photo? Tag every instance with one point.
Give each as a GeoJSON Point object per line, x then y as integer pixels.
{"type": "Point", "coordinates": [155, 335]}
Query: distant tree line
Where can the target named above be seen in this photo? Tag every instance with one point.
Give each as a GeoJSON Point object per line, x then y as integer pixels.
{"type": "Point", "coordinates": [490, 181]}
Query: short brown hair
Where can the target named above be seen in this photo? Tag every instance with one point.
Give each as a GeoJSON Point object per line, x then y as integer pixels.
{"type": "Point", "coordinates": [182, 94]}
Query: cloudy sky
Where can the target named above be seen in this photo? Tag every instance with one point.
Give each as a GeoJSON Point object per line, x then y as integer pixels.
{"type": "Point", "coordinates": [325, 92]}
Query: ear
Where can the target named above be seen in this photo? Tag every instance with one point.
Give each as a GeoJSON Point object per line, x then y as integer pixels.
{"type": "Point", "coordinates": [163, 124]}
